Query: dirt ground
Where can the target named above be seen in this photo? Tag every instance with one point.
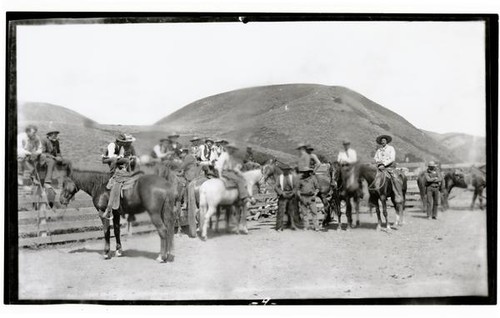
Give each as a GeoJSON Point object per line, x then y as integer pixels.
{"type": "Point", "coordinates": [444, 257]}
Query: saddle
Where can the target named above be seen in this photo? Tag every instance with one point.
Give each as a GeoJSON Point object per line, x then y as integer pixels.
{"type": "Point", "coordinates": [120, 185]}
{"type": "Point", "coordinates": [229, 184]}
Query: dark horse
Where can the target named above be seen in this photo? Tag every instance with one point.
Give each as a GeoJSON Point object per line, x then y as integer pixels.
{"type": "Point", "coordinates": [451, 178]}
{"type": "Point", "coordinates": [478, 181]}
{"type": "Point", "coordinates": [339, 174]}
{"type": "Point", "coordinates": [149, 193]}
{"type": "Point", "coordinates": [377, 192]}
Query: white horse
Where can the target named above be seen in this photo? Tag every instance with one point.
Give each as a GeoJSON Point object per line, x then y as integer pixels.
{"type": "Point", "coordinates": [213, 193]}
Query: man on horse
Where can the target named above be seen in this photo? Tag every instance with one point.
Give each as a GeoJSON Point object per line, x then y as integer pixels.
{"type": "Point", "coordinates": [314, 162]}
{"type": "Point", "coordinates": [121, 157]}
{"type": "Point", "coordinates": [195, 146]}
{"type": "Point", "coordinates": [229, 167]}
{"type": "Point", "coordinates": [207, 156]}
{"type": "Point", "coordinates": [29, 149]}
{"type": "Point", "coordinates": [51, 155]}
{"type": "Point", "coordinates": [385, 156]}
{"type": "Point", "coordinates": [173, 146]}
{"type": "Point", "coordinates": [433, 182]}
{"type": "Point", "coordinates": [249, 155]}
{"type": "Point", "coordinates": [286, 188]}
{"type": "Point", "coordinates": [348, 155]}
{"type": "Point", "coordinates": [160, 151]}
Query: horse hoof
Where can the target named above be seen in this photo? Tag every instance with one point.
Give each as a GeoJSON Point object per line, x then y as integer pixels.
{"type": "Point", "coordinates": [358, 223]}
{"type": "Point", "coordinates": [170, 258]}
{"type": "Point", "coordinates": [203, 238]}
{"type": "Point", "coordinates": [119, 253]}
{"type": "Point", "coordinates": [378, 228]}
{"type": "Point", "coordinates": [107, 256]}
{"type": "Point", "coordinates": [160, 259]}
{"type": "Point", "coordinates": [244, 231]}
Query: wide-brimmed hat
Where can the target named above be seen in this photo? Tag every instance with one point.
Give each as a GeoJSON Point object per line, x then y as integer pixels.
{"type": "Point", "coordinates": [432, 164]}
{"type": "Point", "coordinates": [173, 135]}
{"type": "Point", "coordinates": [163, 139]}
{"type": "Point", "coordinates": [194, 139]}
{"type": "Point", "coordinates": [125, 138]}
{"type": "Point", "coordinates": [184, 150]}
{"type": "Point", "coordinates": [309, 147]}
{"type": "Point", "coordinates": [232, 145]}
{"type": "Point", "coordinates": [52, 132]}
{"type": "Point", "coordinates": [31, 127]}
{"type": "Point", "coordinates": [301, 145]}
{"type": "Point", "coordinates": [209, 139]}
{"type": "Point", "coordinates": [386, 137]}
{"type": "Point", "coordinates": [346, 142]}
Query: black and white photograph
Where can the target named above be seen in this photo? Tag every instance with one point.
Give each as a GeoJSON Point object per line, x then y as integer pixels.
{"type": "Point", "coordinates": [258, 159]}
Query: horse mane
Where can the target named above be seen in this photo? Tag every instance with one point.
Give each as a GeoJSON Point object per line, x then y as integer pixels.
{"type": "Point", "coordinates": [89, 180]}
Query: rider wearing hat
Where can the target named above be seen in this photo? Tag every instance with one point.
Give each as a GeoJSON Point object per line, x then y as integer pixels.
{"type": "Point", "coordinates": [433, 180]}
{"type": "Point", "coordinates": [207, 155]}
{"type": "Point", "coordinates": [29, 149]}
{"type": "Point", "coordinates": [120, 156]}
{"type": "Point", "coordinates": [229, 167]}
{"type": "Point", "coordinates": [51, 155]}
{"type": "Point", "coordinates": [173, 146]}
{"type": "Point", "coordinates": [314, 162]}
{"type": "Point", "coordinates": [195, 146]}
{"type": "Point", "coordinates": [121, 152]}
{"type": "Point", "coordinates": [160, 150]}
{"type": "Point", "coordinates": [385, 156]}
{"type": "Point", "coordinates": [348, 155]}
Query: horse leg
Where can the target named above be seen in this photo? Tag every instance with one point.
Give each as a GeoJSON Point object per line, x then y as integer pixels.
{"type": "Point", "coordinates": [379, 218]}
{"type": "Point", "coordinates": [242, 224]}
{"type": "Point", "coordinates": [339, 218]}
{"type": "Point", "coordinates": [473, 199]}
{"type": "Point", "coordinates": [348, 212]}
{"type": "Point", "coordinates": [384, 210]}
{"type": "Point", "coordinates": [480, 194]}
{"type": "Point", "coordinates": [162, 232]}
{"type": "Point", "coordinates": [169, 242]}
{"type": "Point", "coordinates": [211, 210]}
{"type": "Point", "coordinates": [116, 230]}
{"type": "Point", "coordinates": [356, 207]}
{"type": "Point", "coordinates": [107, 235]}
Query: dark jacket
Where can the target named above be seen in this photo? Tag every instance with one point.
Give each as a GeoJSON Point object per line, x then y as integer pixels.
{"type": "Point", "coordinates": [51, 147]}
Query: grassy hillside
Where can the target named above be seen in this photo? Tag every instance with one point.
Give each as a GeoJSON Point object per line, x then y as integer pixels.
{"type": "Point", "coordinates": [44, 112]}
{"type": "Point", "coordinates": [467, 148]}
{"type": "Point", "coordinates": [278, 117]}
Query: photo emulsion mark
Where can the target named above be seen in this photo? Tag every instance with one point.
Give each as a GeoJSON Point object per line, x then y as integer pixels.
{"type": "Point", "coordinates": [250, 161]}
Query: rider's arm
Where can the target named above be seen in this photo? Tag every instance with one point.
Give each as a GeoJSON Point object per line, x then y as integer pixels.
{"type": "Point", "coordinates": [391, 156]}
{"type": "Point", "coordinates": [39, 148]}
{"type": "Point", "coordinates": [158, 153]}
{"type": "Point", "coordinates": [21, 142]}
{"type": "Point", "coordinates": [111, 150]}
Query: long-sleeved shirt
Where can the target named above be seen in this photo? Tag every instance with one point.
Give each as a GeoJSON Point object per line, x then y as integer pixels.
{"type": "Point", "coordinates": [206, 153]}
{"type": "Point", "coordinates": [159, 151]}
{"type": "Point", "coordinates": [114, 151]}
{"type": "Point", "coordinates": [304, 162]}
{"type": "Point", "coordinates": [51, 147]}
{"type": "Point", "coordinates": [432, 178]}
{"type": "Point", "coordinates": [385, 155]}
{"type": "Point", "coordinates": [314, 161]}
{"type": "Point", "coordinates": [26, 145]}
{"type": "Point", "coordinates": [308, 186]}
{"type": "Point", "coordinates": [227, 162]}
{"type": "Point", "coordinates": [347, 156]}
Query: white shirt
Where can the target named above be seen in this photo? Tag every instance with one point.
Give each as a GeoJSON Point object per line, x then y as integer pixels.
{"type": "Point", "coordinates": [201, 151]}
{"type": "Point", "coordinates": [159, 153]}
{"type": "Point", "coordinates": [111, 151]}
{"type": "Point", "coordinates": [25, 145]}
{"type": "Point", "coordinates": [348, 156]}
{"type": "Point", "coordinates": [385, 155]}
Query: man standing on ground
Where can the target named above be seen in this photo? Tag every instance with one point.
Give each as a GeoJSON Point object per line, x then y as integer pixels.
{"type": "Point", "coordinates": [433, 182]}
{"type": "Point", "coordinates": [286, 187]}
{"type": "Point", "coordinates": [308, 189]}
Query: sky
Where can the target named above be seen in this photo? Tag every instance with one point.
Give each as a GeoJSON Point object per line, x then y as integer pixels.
{"type": "Point", "coordinates": [431, 73]}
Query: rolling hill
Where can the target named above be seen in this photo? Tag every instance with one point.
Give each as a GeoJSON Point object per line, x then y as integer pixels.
{"type": "Point", "coordinates": [278, 117]}
{"type": "Point", "coordinates": [467, 148]}
{"type": "Point", "coordinates": [44, 112]}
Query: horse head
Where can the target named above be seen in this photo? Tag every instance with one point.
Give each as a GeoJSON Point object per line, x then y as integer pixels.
{"type": "Point", "coordinates": [458, 178]}
{"type": "Point", "coordinates": [268, 169]}
{"type": "Point", "coordinates": [350, 176]}
{"type": "Point", "coordinates": [68, 191]}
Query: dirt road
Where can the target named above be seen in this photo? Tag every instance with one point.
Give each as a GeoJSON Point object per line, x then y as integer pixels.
{"type": "Point", "coordinates": [443, 257]}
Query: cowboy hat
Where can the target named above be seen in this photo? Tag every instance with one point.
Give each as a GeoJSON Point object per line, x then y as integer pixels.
{"type": "Point", "coordinates": [174, 135]}
{"type": "Point", "coordinates": [346, 142]}
{"type": "Point", "coordinates": [194, 139]}
{"type": "Point", "coordinates": [163, 139]}
{"type": "Point", "coordinates": [301, 145]}
{"type": "Point", "coordinates": [309, 147]}
{"type": "Point", "coordinates": [432, 164]}
{"type": "Point", "coordinates": [125, 138]}
{"type": "Point", "coordinates": [209, 139]}
{"type": "Point", "coordinates": [31, 127]}
{"type": "Point", "coordinates": [53, 132]}
{"type": "Point", "coordinates": [386, 137]}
